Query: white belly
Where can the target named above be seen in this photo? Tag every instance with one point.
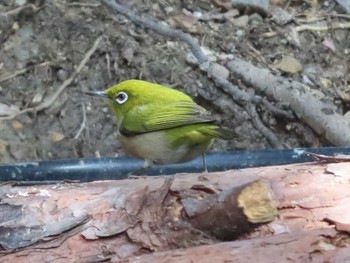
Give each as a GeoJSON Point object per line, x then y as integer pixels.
{"type": "Point", "coordinates": [155, 148]}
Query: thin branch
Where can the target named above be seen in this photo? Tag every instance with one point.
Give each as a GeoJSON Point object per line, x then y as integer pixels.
{"type": "Point", "coordinates": [161, 29]}
{"type": "Point", "coordinates": [278, 112]}
{"type": "Point", "coordinates": [83, 123]}
{"type": "Point", "coordinates": [323, 28]}
{"type": "Point", "coordinates": [48, 102]}
{"type": "Point", "coordinates": [22, 71]}
{"type": "Point", "coordinates": [310, 28]}
{"type": "Point", "coordinates": [19, 9]}
{"type": "Point", "coordinates": [272, 138]}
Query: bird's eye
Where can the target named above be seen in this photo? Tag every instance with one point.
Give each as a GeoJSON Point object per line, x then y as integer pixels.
{"type": "Point", "coordinates": [121, 97]}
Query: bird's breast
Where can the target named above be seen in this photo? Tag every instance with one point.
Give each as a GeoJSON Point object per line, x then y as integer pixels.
{"type": "Point", "coordinates": [152, 146]}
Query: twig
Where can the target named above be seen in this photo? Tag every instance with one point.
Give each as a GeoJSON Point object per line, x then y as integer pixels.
{"type": "Point", "coordinates": [238, 95]}
{"type": "Point", "coordinates": [272, 138]}
{"type": "Point", "coordinates": [160, 29]}
{"type": "Point", "coordinates": [276, 111]}
{"type": "Point", "coordinates": [323, 28]}
{"type": "Point", "coordinates": [108, 66]}
{"type": "Point", "coordinates": [83, 4]}
{"type": "Point", "coordinates": [83, 123]}
{"type": "Point", "coordinates": [22, 71]}
{"type": "Point", "coordinates": [310, 28]}
{"type": "Point", "coordinates": [19, 9]}
{"type": "Point", "coordinates": [48, 102]}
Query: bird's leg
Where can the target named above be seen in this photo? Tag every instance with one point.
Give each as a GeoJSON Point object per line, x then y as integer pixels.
{"type": "Point", "coordinates": [147, 164]}
{"type": "Point", "coordinates": [204, 161]}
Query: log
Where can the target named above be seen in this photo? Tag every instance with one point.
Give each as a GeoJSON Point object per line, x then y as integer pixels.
{"type": "Point", "coordinates": [183, 217]}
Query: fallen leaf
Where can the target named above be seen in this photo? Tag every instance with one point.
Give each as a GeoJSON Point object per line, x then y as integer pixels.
{"type": "Point", "coordinates": [289, 64]}
{"type": "Point", "coordinates": [314, 4]}
{"type": "Point", "coordinates": [57, 136]}
{"type": "Point", "coordinates": [38, 98]}
{"type": "Point", "coordinates": [326, 83]}
{"type": "Point", "coordinates": [219, 16]}
{"type": "Point", "coordinates": [128, 50]}
{"type": "Point", "coordinates": [17, 125]}
{"type": "Point", "coordinates": [187, 22]}
{"type": "Point", "coordinates": [225, 4]}
{"type": "Point", "coordinates": [8, 110]}
{"type": "Point", "coordinates": [329, 43]}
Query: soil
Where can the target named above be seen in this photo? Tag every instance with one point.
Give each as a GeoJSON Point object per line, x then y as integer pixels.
{"type": "Point", "coordinates": [45, 41]}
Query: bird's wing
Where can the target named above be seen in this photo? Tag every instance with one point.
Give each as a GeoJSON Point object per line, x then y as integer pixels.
{"type": "Point", "coordinates": [148, 118]}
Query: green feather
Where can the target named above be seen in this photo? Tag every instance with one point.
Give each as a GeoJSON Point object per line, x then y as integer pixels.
{"type": "Point", "coordinates": [149, 118]}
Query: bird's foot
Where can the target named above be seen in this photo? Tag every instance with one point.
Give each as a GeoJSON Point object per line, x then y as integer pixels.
{"type": "Point", "coordinates": [137, 174]}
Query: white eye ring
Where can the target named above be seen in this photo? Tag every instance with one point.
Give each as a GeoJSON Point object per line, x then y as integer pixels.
{"type": "Point", "coordinates": [121, 97]}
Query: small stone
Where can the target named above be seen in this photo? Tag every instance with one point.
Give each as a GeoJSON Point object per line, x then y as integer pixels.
{"type": "Point", "coordinates": [240, 33]}
{"type": "Point", "coordinates": [215, 69]}
{"type": "Point", "coordinates": [241, 21]}
{"type": "Point", "coordinates": [197, 14]}
{"type": "Point", "coordinates": [255, 19]}
{"type": "Point", "coordinates": [15, 26]}
{"type": "Point", "coordinates": [260, 6]}
{"type": "Point", "coordinates": [168, 10]}
{"type": "Point", "coordinates": [345, 5]}
{"type": "Point", "coordinates": [347, 115]}
{"type": "Point", "coordinates": [280, 15]}
{"type": "Point", "coordinates": [20, 2]}
{"type": "Point", "coordinates": [289, 64]}
{"type": "Point", "coordinates": [62, 75]}
{"type": "Point", "coordinates": [38, 98]}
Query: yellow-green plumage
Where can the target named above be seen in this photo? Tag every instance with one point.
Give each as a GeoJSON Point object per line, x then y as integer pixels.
{"type": "Point", "coordinates": [161, 125]}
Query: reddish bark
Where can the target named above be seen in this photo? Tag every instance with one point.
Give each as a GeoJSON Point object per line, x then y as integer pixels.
{"type": "Point", "coordinates": [119, 220]}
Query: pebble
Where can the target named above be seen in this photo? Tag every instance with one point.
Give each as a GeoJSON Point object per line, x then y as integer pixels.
{"type": "Point", "coordinates": [345, 5]}
{"type": "Point", "coordinates": [168, 10]}
{"type": "Point", "coordinates": [241, 21]}
{"type": "Point", "coordinates": [20, 2]}
{"type": "Point", "coordinates": [255, 19]}
{"type": "Point", "coordinates": [62, 75]}
{"type": "Point", "coordinates": [197, 14]}
{"type": "Point", "coordinates": [280, 16]}
{"type": "Point", "coordinates": [240, 33]}
{"type": "Point", "coordinates": [260, 6]}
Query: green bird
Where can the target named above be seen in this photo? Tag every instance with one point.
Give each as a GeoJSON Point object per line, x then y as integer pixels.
{"type": "Point", "coordinates": [161, 125]}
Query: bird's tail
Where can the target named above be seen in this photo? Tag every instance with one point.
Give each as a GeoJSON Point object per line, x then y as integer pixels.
{"type": "Point", "coordinates": [222, 133]}
{"type": "Point", "coordinates": [225, 133]}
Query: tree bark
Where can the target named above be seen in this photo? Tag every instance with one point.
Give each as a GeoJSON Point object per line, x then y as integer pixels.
{"type": "Point", "coordinates": [184, 217]}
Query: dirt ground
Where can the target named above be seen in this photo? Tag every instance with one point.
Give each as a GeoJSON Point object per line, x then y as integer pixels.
{"type": "Point", "coordinates": [43, 41]}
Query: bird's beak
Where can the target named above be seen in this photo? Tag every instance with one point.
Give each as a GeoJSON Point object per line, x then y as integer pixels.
{"type": "Point", "coordinates": [102, 94]}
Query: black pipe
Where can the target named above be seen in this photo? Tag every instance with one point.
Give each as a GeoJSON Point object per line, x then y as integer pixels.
{"type": "Point", "coordinates": [91, 169]}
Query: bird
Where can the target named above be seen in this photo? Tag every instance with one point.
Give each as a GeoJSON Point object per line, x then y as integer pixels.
{"type": "Point", "coordinates": [161, 125]}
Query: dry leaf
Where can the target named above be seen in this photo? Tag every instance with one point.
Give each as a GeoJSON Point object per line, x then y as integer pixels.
{"type": "Point", "coordinates": [329, 43]}
{"type": "Point", "coordinates": [8, 110]}
{"type": "Point", "coordinates": [225, 4]}
{"type": "Point", "coordinates": [57, 136]}
{"type": "Point", "coordinates": [38, 98]}
{"type": "Point", "coordinates": [219, 16]}
{"type": "Point", "coordinates": [326, 83]}
{"type": "Point", "coordinates": [17, 125]}
{"type": "Point", "coordinates": [289, 64]}
{"type": "Point", "coordinates": [187, 22]}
